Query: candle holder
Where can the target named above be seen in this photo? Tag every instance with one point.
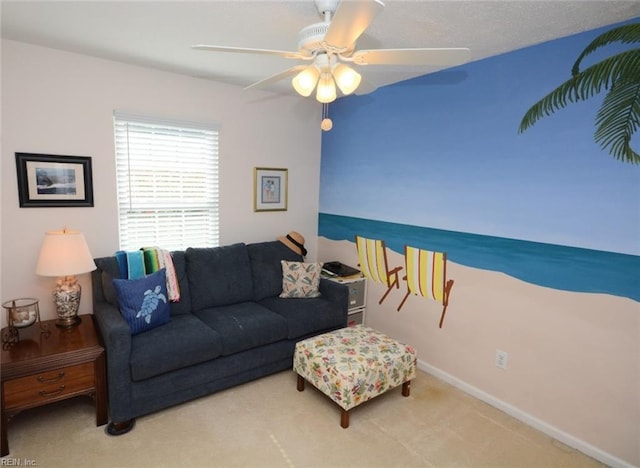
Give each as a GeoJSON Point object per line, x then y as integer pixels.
{"type": "Point", "coordinates": [21, 313]}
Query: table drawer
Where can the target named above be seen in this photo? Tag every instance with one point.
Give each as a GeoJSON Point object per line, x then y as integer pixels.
{"type": "Point", "coordinates": [44, 387]}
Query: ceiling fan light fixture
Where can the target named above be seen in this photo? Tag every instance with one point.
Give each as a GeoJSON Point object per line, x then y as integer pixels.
{"type": "Point", "coordinates": [305, 82]}
{"type": "Point", "coordinates": [347, 78]}
{"type": "Point", "coordinates": [326, 91]}
{"type": "Point", "coordinates": [330, 47]}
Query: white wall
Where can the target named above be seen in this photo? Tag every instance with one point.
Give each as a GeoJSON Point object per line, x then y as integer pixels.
{"type": "Point", "coordinates": [60, 103]}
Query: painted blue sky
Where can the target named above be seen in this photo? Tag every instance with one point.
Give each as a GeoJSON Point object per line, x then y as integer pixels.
{"type": "Point", "coordinates": [443, 151]}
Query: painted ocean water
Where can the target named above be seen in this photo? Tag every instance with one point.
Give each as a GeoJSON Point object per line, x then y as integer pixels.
{"type": "Point", "coordinates": [553, 266]}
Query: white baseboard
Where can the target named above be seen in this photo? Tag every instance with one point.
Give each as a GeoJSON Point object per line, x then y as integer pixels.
{"type": "Point", "coordinates": [526, 418]}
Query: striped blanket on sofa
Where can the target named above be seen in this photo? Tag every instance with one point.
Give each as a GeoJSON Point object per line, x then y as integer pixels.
{"type": "Point", "coordinates": [138, 263]}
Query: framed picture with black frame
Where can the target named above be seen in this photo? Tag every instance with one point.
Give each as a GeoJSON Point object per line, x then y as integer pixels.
{"type": "Point", "coordinates": [269, 189]}
{"type": "Point", "coordinates": [47, 180]}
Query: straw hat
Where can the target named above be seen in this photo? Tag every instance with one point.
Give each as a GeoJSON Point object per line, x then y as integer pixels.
{"type": "Point", "coordinates": [295, 242]}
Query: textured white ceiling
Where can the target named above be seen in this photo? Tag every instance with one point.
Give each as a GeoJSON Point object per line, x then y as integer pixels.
{"type": "Point", "coordinates": [160, 34]}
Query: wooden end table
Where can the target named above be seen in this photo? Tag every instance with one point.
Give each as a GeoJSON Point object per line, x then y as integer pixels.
{"type": "Point", "coordinates": [44, 368]}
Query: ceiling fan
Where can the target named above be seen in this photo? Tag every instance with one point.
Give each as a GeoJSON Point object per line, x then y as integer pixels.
{"type": "Point", "coordinates": [330, 46]}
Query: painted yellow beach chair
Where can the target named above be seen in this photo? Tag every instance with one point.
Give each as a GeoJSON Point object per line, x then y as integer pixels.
{"type": "Point", "coordinates": [427, 276]}
{"type": "Point", "coordinates": [372, 255]}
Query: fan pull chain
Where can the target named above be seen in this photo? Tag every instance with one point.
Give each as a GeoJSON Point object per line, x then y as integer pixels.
{"type": "Point", "coordinates": [326, 123]}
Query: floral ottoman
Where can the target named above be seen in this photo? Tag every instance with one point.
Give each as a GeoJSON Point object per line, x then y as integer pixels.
{"type": "Point", "coordinates": [353, 365]}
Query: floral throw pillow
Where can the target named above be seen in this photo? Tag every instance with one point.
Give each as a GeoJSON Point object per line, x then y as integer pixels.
{"type": "Point", "coordinates": [300, 279]}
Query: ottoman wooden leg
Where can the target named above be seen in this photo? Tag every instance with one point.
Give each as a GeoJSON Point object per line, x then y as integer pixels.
{"type": "Point", "coordinates": [344, 419]}
{"type": "Point", "coordinates": [300, 385]}
{"type": "Point", "coordinates": [406, 388]}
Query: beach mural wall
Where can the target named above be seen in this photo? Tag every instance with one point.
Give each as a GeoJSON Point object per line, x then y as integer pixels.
{"type": "Point", "coordinates": [541, 231]}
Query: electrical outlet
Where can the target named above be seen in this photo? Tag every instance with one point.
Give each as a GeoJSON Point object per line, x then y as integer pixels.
{"type": "Point", "coordinates": [501, 359]}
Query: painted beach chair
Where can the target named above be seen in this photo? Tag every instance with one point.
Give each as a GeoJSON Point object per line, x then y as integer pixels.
{"type": "Point", "coordinates": [372, 255]}
{"type": "Point", "coordinates": [427, 276]}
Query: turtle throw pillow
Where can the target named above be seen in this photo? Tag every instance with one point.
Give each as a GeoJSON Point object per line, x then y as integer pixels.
{"type": "Point", "coordinates": [300, 279]}
{"type": "Point", "coordinates": [143, 302]}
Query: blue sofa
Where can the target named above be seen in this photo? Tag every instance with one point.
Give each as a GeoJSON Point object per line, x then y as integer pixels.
{"type": "Point", "coordinates": [229, 327]}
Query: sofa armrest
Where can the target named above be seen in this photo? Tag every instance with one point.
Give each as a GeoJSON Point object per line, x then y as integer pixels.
{"type": "Point", "coordinates": [116, 336]}
{"type": "Point", "coordinates": [336, 293]}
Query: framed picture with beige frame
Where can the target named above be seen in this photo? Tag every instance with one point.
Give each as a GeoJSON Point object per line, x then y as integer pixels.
{"type": "Point", "coordinates": [270, 189]}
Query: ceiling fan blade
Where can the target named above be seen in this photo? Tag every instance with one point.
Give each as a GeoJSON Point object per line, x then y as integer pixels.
{"type": "Point", "coordinates": [426, 56]}
{"type": "Point", "coordinates": [350, 20]}
{"type": "Point", "coordinates": [366, 87]}
{"type": "Point", "coordinates": [245, 50]}
{"type": "Point", "coordinates": [277, 77]}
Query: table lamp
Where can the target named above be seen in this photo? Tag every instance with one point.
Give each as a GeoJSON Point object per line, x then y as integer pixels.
{"type": "Point", "coordinates": [64, 254]}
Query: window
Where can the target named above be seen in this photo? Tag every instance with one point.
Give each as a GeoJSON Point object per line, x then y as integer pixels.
{"type": "Point", "coordinates": [167, 180]}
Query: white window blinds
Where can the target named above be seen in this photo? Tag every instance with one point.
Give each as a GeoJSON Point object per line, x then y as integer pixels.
{"type": "Point", "coordinates": [167, 180]}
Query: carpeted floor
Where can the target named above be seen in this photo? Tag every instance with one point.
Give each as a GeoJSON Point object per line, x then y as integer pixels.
{"type": "Point", "coordinates": [268, 423]}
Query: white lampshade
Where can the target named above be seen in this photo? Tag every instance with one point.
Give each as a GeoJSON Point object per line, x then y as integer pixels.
{"type": "Point", "coordinates": [326, 89]}
{"type": "Point", "coordinates": [64, 253]}
{"type": "Point", "coordinates": [305, 81]}
{"type": "Point", "coordinates": [347, 78]}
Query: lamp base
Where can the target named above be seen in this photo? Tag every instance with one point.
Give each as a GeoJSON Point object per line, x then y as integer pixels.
{"type": "Point", "coordinates": [68, 322]}
{"type": "Point", "coordinates": [67, 299]}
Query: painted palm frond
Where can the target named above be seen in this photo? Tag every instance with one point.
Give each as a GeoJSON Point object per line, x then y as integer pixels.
{"type": "Point", "coordinates": [628, 34]}
{"type": "Point", "coordinates": [618, 119]}
{"type": "Point", "coordinates": [618, 75]}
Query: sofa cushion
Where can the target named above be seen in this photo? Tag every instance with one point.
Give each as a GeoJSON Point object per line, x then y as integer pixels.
{"type": "Point", "coordinates": [183, 342]}
{"type": "Point", "coordinates": [300, 279]}
{"type": "Point", "coordinates": [244, 326]}
{"type": "Point", "coordinates": [108, 270]}
{"type": "Point", "coordinates": [143, 302]}
{"type": "Point", "coordinates": [108, 289]}
{"type": "Point", "coordinates": [266, 269]}
{"type": "Point", "coordinates": [218, 276]}
{"type": "Point", "coordinates": [306, 316]}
